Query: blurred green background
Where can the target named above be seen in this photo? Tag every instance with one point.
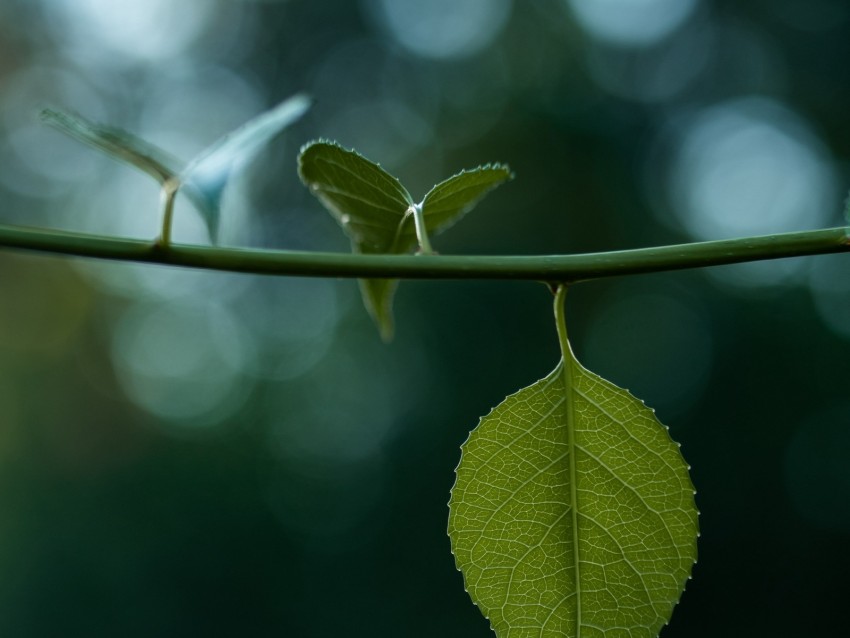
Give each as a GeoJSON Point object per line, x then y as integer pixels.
{"type": "Point", "coordinates": [192, 454]}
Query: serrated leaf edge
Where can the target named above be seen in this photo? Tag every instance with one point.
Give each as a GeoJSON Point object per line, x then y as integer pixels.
{"type": "Point", "coordinates": [489, 166]}
{"type": "Point", "coordinates": [509, 396]}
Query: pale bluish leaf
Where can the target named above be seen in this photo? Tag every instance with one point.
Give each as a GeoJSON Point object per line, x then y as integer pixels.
{"type": "Point", "coordinates": [207, 174]}
{"type": "Point", "coordinates": [573, 512]}
{"type": "Point", "coordinates": [117, 143]}
{"type": "Point", "coordinates": [205, 177]}
{"type": "Point", "coordinates": [376, 211]}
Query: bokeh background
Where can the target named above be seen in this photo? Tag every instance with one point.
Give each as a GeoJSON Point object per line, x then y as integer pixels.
{"type": "Point", "coordinates": [186, 453]}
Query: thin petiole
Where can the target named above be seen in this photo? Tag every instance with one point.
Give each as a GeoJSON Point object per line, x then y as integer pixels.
{"type": "Point", "coordinates": [168, 194]}
{"type": "Point", "coordinates": [421, 230]}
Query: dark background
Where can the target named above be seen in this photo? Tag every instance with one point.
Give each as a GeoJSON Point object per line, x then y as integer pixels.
{"type": "Point", "coordinates": [193, 454]}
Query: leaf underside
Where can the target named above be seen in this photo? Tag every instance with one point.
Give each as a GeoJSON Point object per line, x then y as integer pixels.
{"type": "Point", "coordinates": [585, 536]}
{"type": "Point", "coordinates": [126, 147]}
{"type": "Point", "coordinates": [374, 209]}
{"type": "Point", "coordinates": [207, 174]}
{"type": "Point", "coordinates": [115, 142]}
{"type": "Point", "coordinates": [205, 177]}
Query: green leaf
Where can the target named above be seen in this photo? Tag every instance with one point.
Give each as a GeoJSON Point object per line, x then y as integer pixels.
{"type": "Point", "coordinates": [379, 214]}
{"type": "Point", "coordinates": [116, 142]}
{"type": "Point", "coordinates": [451, 199]}
{"type": "Point", "coordinates": [378, 298]}
{"type": "Point", "coordinates": [573, 512]}
{"type": "Point", "coordinates": [369, 203]}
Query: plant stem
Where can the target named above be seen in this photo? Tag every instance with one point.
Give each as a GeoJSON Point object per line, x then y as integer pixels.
{"type": "Point", "coordinates": [557, 268]}
{"type": "Point", "coordinates": [168, 195]}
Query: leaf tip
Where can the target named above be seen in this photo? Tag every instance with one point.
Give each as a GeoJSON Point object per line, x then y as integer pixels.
{"type": "Point", "coordinates": [60, 118]}
{"type": "Point", "coordinates": [496, 167]}
{"type": "Point", "coordinates": [321, 141]}
{"type": "Point", "coordinates": [46, 114]}
{"type": "Point", "coordinates": [307, 145]}
{"type": "Point", "coordinates": [301, 101]}
{"type": "Point", "coordinates": [847, 208]}
{"type": "Point", "coordinates": [386, 330]}
{"type": "Point", "coordinates": [316, 145]}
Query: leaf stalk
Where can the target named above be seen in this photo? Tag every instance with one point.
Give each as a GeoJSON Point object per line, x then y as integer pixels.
{"type": "Point", "coordinates": [570, 428]}
{"type": "Point", "coordinates": [168, 194]}
{"type": "Point", "coordinates": [421, 230]}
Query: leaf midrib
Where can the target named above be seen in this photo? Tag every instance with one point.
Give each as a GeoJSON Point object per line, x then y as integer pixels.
{"type": "Point", "coordinates": [569, 424]}
{"type": "Point", "coordinates": [567, 373]}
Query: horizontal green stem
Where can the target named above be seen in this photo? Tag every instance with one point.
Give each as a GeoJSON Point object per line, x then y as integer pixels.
{"type": "Point", "coordinates": [561, 268]}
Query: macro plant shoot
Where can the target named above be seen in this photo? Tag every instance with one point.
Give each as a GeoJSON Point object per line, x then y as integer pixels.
{"type": "Point", "coordinates": [573, 511]}
{"type": "Point", "coordinates": [446, 319]}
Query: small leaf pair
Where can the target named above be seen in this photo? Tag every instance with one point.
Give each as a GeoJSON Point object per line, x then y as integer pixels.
{"type": "Point", "coordinates": [203, 178]}
{"type": "Point", "coordinates": [380, 216]}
